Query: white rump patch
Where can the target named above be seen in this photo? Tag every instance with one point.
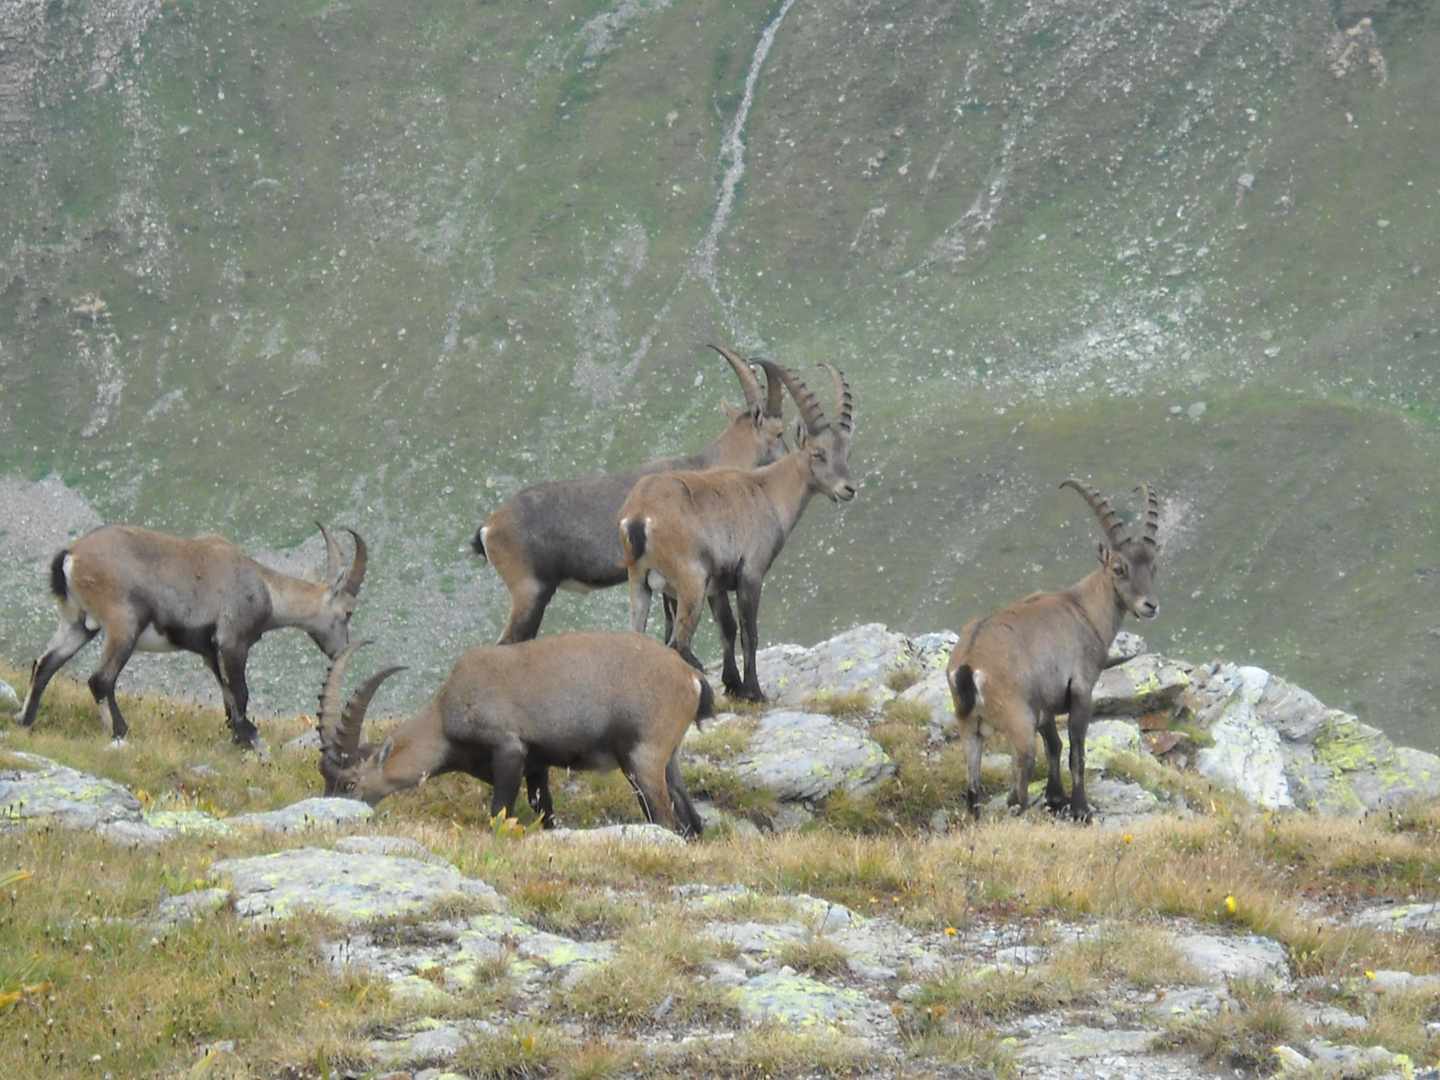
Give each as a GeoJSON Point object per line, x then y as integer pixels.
{"type": "Point", "coordinates": [979, 677]}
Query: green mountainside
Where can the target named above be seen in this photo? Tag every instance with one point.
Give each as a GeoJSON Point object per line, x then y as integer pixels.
{"type": "Point", "coordinates": [382, 265]}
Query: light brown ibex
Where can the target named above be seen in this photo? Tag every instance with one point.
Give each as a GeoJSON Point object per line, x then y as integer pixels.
{"type": "Point", "coordinates": [561, 535]}
{"type": "Point", "coordinates": [159, 593]}
{"type": "Point", "coordinates": [593, 700]}
{"type": "Point", "coordinates": [697, 535]}
{"type": "Point", "coordinates": [1015, 669]}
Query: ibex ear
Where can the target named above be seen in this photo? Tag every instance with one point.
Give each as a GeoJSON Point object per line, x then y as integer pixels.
{"type": "Point", "coordinates": [731, 413]}
{"type": "Point", "coordinates": [384, 751]}
{"type": "Point", "coordinates": [757, 415]}
{"type": "Point", "coordinates": [1102, 553]}
{"type": "Point", "coordinates": [801, 435]}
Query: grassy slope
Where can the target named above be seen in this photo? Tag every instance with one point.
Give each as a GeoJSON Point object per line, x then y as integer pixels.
{"type": "Point", "coordinates": [384, 266]}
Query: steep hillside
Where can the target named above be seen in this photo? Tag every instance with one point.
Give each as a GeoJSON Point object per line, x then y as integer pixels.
{"type": "Point", "coordinates": [383, 265]}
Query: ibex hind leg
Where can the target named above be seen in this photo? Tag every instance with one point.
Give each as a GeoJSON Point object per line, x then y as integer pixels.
{"type": "Point", "coordinates": [648, 777]}
{"type": "Point", "coordinates": [1056, 801]}
{"type": "Point", "coordinates": [537, 794]}
{"type": "Point", "coordinates": [118, 650]}
{"type": "Point", "coordinates": [69, 639]}
{"type": "Point", "coordinates": [728, 627]}
{"type": "Point", "coordinates": [687, 818]}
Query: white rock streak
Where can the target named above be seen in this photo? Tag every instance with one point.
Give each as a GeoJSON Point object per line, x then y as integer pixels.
{"type": "Point", "coordinates": [732, 150]}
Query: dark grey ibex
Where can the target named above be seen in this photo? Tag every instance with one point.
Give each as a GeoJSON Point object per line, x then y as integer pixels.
{"type": "Point", "coordinates": [595, 700]}
{"type": "Point", "coordinates": [697, 535]}
{"type": "Point", "coordinates": [561, 535]}
{"type": "Point", "coordinates": [159, 593]}
{"type": "Point", "coordinates": [1015, 669]}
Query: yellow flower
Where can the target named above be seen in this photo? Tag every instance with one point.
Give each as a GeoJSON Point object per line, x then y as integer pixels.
{"type": "Point", "coordinates": [951, 931]}
{"type": "Point", "coordinates": [1129, 839]}
{"type": "Point", "coordinates": [1230, 904]}
{"type": "Point", "coordinates": [1370, 974]}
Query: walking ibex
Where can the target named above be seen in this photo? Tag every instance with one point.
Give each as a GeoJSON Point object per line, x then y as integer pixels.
{"type": "Point", "coordinates": [561, 535]}
{"type": "Point", "coordinates": [1015, 669]}
{"type": "Point", "coordinates": [697, 535]}
{"type": "Point", "coordinates": [592, 700]}
{"type": "Point", "coordinates": [158, 593]}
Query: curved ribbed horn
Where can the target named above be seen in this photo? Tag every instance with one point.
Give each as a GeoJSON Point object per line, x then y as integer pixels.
{"type": "Point", "coordinates": [774, 385]}
{"type": "Point", "coordinates": [1152, 514]}
{"type": "Point", "coordinates": [805, 399]}
{"type": "Point", "coordinates": [328, 722]}
{"type": "Point", "coordinates": [754, 396]}
{"type": "Point", "coordinates": [357, 567]}
{"type": "Point", "coordinates": [1108, 520]}
{"type": "Point", "coordinates": [353, 718]}
{"type": "Point", "coordinates": [334, 557]}
{"type": "Point", "coordinates": [843, 400]}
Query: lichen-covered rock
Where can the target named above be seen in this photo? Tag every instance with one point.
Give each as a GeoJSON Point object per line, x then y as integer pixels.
{"type": "Point", "coordinates": [861, 659]}
{"type": "Point", "coordinates": [63, 795]}
{"type": "Point", "coordinates": [638, 833]}
{"type": "Point", "coordinates": [1218, 960]}
{"type": "Point", "coordinates": [314, 813]}
{"type": "Point", "coordinates": [1143, 684]}
{"type": "Point", "coordinates": [9, 700]}
{"type": "Point", "coordinates": [1247, 755]}
{"type": "Point", "coordinates": [800, 756]}
{"type": "Point", "coordinates": [349, 888]}
{"type": "Point", "coordinates": [785, 997]}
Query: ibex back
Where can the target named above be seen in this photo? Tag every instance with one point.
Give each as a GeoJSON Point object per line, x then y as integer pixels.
{"type": "Point", "coordinates": [591, 700]}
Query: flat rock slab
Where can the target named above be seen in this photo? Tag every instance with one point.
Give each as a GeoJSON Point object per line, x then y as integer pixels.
{"type": "Point", "coordinates": [785, 997]}
{"type": "Point", "coordinates": [350, 888]}
{"type": "Point", "coordinates": [315, 813]}
{"type": "Point", "coordinates": [64, 795]}
{"type": "Point", "coordinates": [1220, 959]}
{"type": "Point", "coordinates": [857, 660]}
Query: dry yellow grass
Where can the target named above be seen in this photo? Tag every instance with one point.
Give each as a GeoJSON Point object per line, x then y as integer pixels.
{"type": "Point", "coordinates": [86, 983]}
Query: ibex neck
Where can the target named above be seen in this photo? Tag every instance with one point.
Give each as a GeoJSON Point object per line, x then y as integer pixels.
{"type": "Point", "coordinates": [787, 485]}
{"type": "Point", "coordinates": [1095, 594]}
{"type": "Point", "coordinates": [293, 601]}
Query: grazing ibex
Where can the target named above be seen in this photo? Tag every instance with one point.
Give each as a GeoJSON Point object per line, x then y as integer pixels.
{"type": "Point", "coordinates": [594, 700]}
{"type": "Point", "coordinates": [1015, 669]}
{"type": "Point", "coordinates": [700, 534]}
{"type": "Point", "coordinates": [561, 535]}
{"type": "Point", "coordinates": [159, 593]}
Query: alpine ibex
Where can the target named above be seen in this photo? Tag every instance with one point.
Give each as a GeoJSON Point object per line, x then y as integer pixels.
{"type": "Point", "coordinates": [593, 700]}
{"type": "Point", "coordinates": [1015, 669]}
{"type": "Point", "coordinates": [561, 535]}
{"type": "Point", "coordinates": [700, 534]}
{"type": "Point", "coordinates": [159, 593]}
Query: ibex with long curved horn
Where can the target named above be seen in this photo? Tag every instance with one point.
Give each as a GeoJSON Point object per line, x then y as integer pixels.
{"type": "Point", "coordinates": [1015, 669]}
{"type": "Point", "coordinates": [697, 535]}
{"type": "Point", "coordinates": [159, 593]}
{"type": "Point", "coordinates": [561, 535]}
{"type": "Point", "coordinates": [588, 700]}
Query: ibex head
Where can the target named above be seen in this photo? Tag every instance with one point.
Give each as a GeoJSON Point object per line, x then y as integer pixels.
{"type": "Point", "coordinates": [762, 409]}
{"type": "Point", "coordinates": [827, 444]}
{"type": "Point", "coordinates": [1131, 563]}
{"type": "Point", "coordinates": [331, 630]}
{"type": "Point", "coordinates": [351, 771]}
